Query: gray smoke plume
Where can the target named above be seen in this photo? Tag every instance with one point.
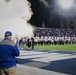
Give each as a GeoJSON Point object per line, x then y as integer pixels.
{"type": "Point", "coordinates": [45, 3]}
{"type": "Point", "coordinates": [14, 15]}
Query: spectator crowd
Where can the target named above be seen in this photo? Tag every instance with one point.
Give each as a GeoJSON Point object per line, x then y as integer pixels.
{"type": "Point", "coordinates": [48, 36]}
{"type": "Point", "coordinates": [54, 36]}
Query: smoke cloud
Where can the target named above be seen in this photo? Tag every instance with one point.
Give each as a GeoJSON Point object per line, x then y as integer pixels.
{"type": "Point", "coordinates": [45, 3]}
{"type": "Point", "coordinates": [14, 15]}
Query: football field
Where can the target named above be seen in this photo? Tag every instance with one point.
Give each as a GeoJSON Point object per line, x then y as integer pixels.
{"type": "Point", "coordinates": [51, 61]}
{"type": "Point", "coordinates": [66, 47]}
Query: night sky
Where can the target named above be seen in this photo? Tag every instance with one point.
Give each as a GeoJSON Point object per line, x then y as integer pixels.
{"type": "Point", "coordinates": [44, 13]}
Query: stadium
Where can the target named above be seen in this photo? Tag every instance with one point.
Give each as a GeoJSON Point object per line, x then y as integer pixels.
{"type": "Point", "coordinates": [45, 33]}
{"type": "Point", "coordinates": [52, 37]}
{"type": "Point", "coordinates": [55, 25]}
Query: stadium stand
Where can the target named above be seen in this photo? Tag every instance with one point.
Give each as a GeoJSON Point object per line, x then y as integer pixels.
{"type": "Point", "coordinates": [51, 36]}
{"type": "Point", "coordinates": [54, 36]}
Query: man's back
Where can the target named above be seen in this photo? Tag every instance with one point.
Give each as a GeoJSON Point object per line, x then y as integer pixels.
{"type": "Point", "coordinates": [8, 51]}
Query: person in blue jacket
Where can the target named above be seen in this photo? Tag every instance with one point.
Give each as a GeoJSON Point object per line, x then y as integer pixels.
{"type": "Point", "coordinates": [8, 53]}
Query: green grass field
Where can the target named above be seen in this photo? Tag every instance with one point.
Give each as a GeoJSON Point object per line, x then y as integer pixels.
{"type": "Point", "coordinates": [68, 47]}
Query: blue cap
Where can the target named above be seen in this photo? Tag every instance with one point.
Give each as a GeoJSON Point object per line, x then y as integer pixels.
{"type": "Point", "coordinates": [8, 33]}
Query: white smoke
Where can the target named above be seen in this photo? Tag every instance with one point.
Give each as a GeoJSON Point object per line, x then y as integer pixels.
{"type": "Point", "coordinates": [45, 3]}
{"type": "Point", "coordinates": [14, 15]}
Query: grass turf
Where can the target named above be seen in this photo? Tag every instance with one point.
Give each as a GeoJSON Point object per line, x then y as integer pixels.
{"type": "Point", "coordinates": [68, 47]}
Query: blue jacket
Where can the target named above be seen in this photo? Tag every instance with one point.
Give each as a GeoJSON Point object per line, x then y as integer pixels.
{"type": "Point", "coordinates": [8, 52]}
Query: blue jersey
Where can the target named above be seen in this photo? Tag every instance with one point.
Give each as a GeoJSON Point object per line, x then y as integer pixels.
{"type": "Point", "coordinates": [8, 52]}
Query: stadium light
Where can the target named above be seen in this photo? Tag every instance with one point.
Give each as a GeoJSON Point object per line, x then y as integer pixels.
{"type": "Point", "coordinates": [66, 4]}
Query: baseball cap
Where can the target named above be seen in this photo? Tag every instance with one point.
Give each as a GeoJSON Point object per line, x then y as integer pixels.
{"type": "Point", "coordinates": [8, 33]}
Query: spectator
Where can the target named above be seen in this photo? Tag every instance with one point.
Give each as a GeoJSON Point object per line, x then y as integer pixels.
{"type": "Point", "coordinates": [8, 52]}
